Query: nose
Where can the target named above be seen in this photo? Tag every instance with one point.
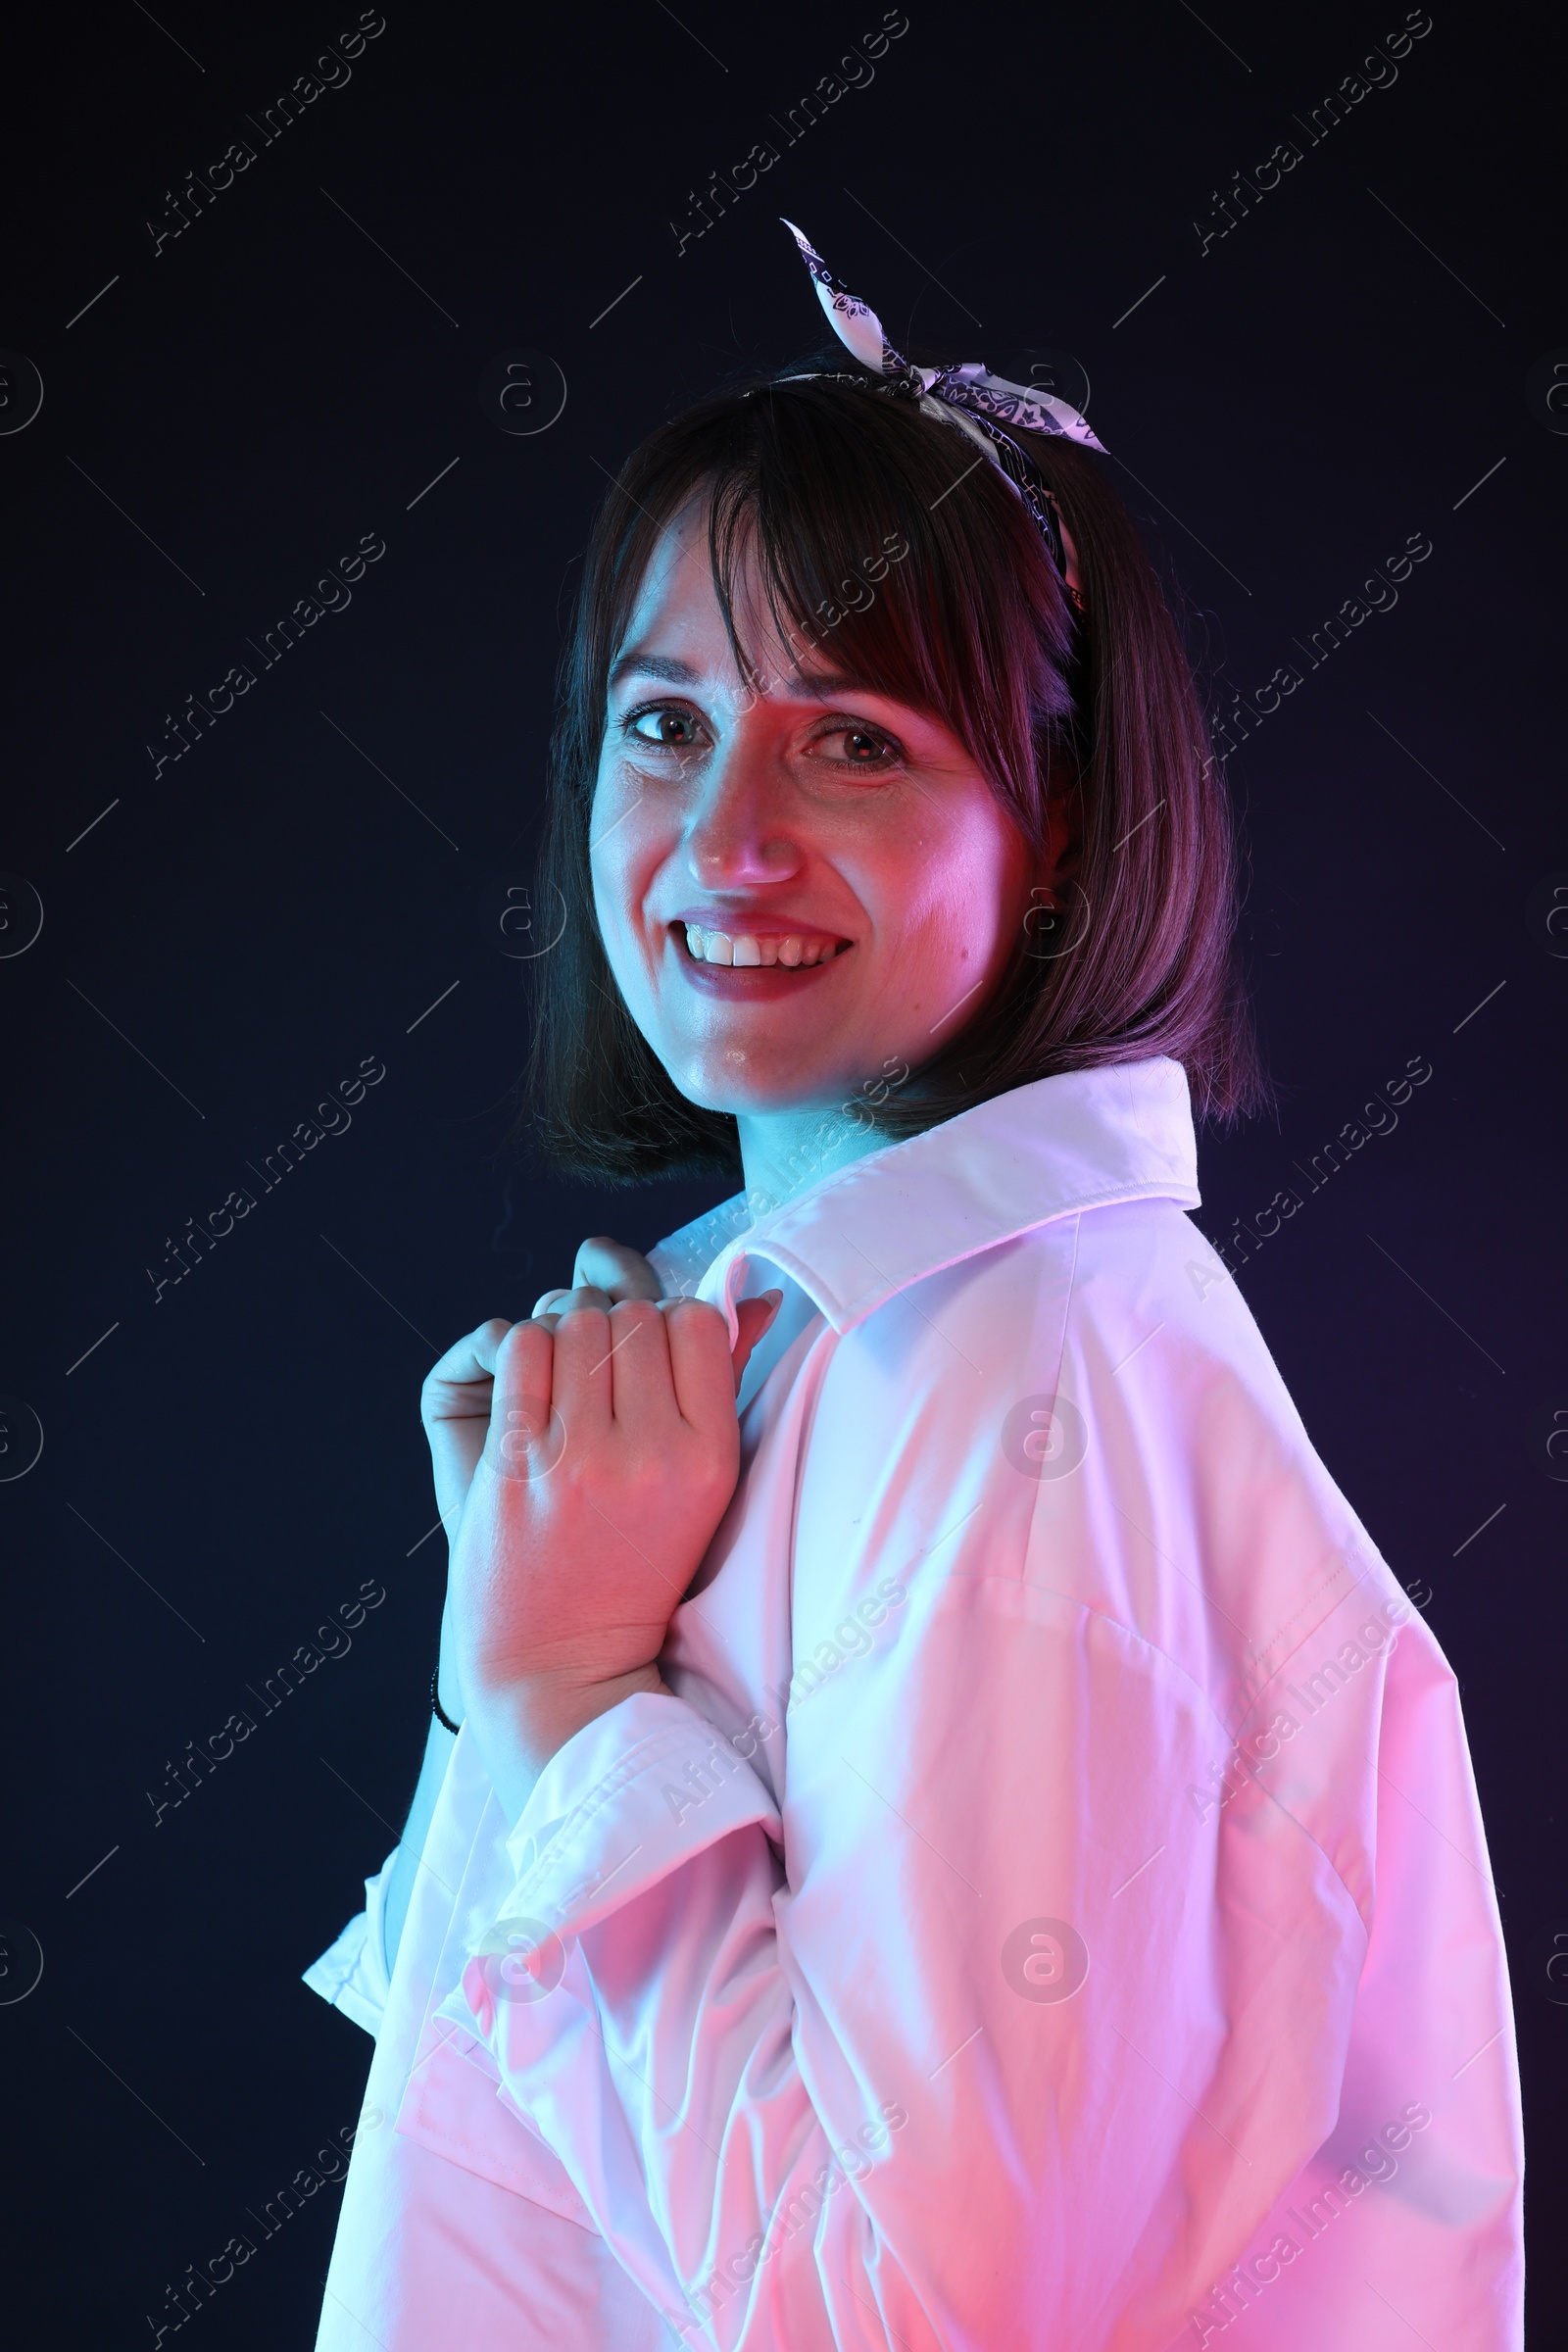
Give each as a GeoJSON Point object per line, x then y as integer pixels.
{"type": "Point", "coordinates": [739, 833]}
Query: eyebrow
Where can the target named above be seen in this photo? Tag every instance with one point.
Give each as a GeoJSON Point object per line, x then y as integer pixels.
{"type": "Point", "coordinates": [813, 688]}
{"type": "Point", "coordinates": [654, 665]}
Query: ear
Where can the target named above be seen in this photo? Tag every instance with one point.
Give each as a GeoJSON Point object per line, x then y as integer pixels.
{"type": "Point", "coordinates": [1062, 851]}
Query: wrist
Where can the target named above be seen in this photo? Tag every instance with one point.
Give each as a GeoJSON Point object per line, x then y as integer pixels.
{"type": "Point", "coordinates": [519, 1728]}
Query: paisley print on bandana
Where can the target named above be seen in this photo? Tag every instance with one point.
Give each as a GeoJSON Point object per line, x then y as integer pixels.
{"type": "Point", "coordinates": [969, 397]}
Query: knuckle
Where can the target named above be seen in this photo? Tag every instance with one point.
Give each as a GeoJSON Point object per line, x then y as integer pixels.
{"type": "Point", "coordinates": [578, 1304]}
{"type": "Point", "coordinates": [695, 1313]}
{"type": "Point", "coordinates": [517, 1339]}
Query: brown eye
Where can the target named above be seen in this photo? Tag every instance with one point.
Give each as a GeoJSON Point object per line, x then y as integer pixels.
{"type": "Point", "coordinates": [858, 746]}
{"type": "Point", "coordinates": [665, 725]}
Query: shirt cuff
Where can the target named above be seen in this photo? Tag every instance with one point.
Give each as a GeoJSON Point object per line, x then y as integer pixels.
{"type": "Point", "coordinates": [351, 1974]}
{"type": "Point", "coordinates": [632, 1797]}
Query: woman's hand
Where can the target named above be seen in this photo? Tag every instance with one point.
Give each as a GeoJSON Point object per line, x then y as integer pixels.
{"type": "Point", "coordinates": [454, 1401]}
{"type": "Point", "coordinates": [611, 1456]}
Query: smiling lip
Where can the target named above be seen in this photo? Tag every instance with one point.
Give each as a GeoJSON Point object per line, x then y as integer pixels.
{"type": "Point", "coordinates": [757, 961]}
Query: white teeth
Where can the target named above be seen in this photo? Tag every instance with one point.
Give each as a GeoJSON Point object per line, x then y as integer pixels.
{"type": "Point", "coordinates": [748, 951]}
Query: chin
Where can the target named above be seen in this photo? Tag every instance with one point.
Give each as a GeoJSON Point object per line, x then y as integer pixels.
{"type": "Point", "coordinates": [714, 1084]}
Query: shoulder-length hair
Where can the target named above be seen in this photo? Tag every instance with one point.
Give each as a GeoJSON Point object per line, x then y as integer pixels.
{"type": "Point", "coordinates": [815, 478]}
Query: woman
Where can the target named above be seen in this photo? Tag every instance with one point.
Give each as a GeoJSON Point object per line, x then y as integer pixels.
{"type": "Point", "coordinates": [974, 1848]}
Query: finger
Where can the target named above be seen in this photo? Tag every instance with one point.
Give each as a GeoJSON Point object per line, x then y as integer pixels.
{"type": "Point", "coordinates": [580, 1386]}
{"type": "Point", "coordinates": [470, 1359]}
{"type": "Point", "coordinates": [521, 1406]}
{"type": "Point", "coordinates": [755, 1319]}
{"type": "Point", "coordinates": [641, 1393]}
{"type": "Point", "coordinates": [700, 1363]}
{"type": "Point", "coordinates": [607, 1265]}
{"type": "Point", "coordinates": [473, 1356]}
{"type": "Point", "coordinates": [561, 1303]}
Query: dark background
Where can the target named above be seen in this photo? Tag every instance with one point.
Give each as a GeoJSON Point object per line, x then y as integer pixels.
{"type": "Point", "coordinates": [230, 939]}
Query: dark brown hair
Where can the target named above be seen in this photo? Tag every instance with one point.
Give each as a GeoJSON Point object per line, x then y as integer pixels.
{"type": "Point", "coordinates": [815, 479]}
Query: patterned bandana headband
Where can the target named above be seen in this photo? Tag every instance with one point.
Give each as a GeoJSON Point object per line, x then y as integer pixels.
{"type": "Point", "coordinates": [985, 408]}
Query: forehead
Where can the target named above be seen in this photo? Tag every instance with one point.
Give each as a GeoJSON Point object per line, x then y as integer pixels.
{"type": "Point", "coordinates": [677, 630]}
{"type": "Point", "coordinates": [676, 600]}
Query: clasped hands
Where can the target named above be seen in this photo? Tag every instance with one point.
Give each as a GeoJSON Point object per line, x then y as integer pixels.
{"type": "Point", "coordinates": [583, 1460]}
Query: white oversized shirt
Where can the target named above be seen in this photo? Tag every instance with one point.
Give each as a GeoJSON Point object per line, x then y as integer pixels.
{"type": "Point", "coordinates": [1052, 1912]}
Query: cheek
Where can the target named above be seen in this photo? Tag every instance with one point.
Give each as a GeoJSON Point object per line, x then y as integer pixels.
{"type": "Point", "coordinates": [1004, 867]}
{"type": "Point", "coordinates": [625, 853]}
{"type": "Point", "coordinates": [958, 898]}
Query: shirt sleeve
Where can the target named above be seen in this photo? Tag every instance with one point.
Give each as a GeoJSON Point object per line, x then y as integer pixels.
{"type": "Point", "coordinates": [633, 1995]}
{"type": "Point", "coordinates": [1034, 1998]}
{"type": "Point", "coordinates": [351, 1972]}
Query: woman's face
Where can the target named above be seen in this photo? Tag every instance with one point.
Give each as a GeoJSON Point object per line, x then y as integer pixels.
{"type": "Point", "coordinates": [797, 887]}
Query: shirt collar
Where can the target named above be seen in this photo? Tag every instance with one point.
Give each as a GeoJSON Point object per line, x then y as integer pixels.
{"type": "Point", "coordinates": [1088, 1139]}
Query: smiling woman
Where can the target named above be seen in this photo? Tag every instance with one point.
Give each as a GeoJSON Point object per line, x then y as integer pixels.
{"type": "Point", "coordinates": [956, 1996]}
{"type": "Point", "coordinates": [1094, 926]}
{"type": "Point", "coordinates": [787, 866]}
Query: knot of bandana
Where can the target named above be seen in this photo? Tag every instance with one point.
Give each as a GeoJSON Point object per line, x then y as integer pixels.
{"type": "Point", "coordinates": [987, 409]}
